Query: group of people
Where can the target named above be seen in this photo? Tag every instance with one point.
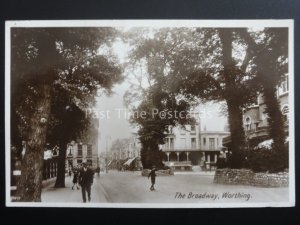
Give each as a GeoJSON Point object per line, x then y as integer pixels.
{"type": "Point", "coordinates": [83, 176]}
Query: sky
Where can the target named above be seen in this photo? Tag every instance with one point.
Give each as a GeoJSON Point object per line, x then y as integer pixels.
{"type": "Point", "coordinates": [111, 112]}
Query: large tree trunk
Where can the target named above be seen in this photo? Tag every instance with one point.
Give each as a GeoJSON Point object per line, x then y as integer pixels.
{"type": "Point", "coordinates": [268, 76]}
{"type": "Point", "coordinates": [235, 113]}
{"type": "Point", "coordinates": [30, 184]}
{"type": "Point", "coordinates": [60, 179]}
{"type": "Point", "coordinates": [275, 119]}
{"type": "Point", "coordinates": [276, 129]}
{"type": "Point", "coordinates": [237, 133]}
{"type": "Point", "coordinates": [150, 155]}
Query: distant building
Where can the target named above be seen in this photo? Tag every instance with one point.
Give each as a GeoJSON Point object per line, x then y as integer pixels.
{"type": "Point", "coordinates": [189, 146]}
{"type": "Point", "coordinates": [84, 150]}
{"type": "Point", "coordinates": [182, 147]}
{"type": "Point", "coordinates": [125, 153]}
{"type": "Point", "coordinates": [134, 146]}
{"type": "Point", "coordinates": [211, 143]}
{"type": "Point", "coordinates": [77, 153]}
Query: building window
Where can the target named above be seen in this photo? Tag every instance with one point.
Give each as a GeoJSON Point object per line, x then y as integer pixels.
{"type": "Point", "coordinates": [193, 129]}
{"type": "Point", "coordinates": [89, 162]}
{"type": "Point", "coordinates": [212, 157]}
{"type": "Point", "coordinates": [182, 130]}
{"type": "Point", "coordinates": [79, 150]}
{"type": "Point", "coordinates": [171, 143]}
{"type": "Point", "coordinates": [284, 87]}
{"type": "Point", "coordinates": [285, 112]}
{"type": "Point", "coordinates": [248, 123]}
{"type": "Point", "coordinates": [211, 143]}
{"type": "Point", "coordinates": [166, 143]}
{"type": "Point", "coordinates": [193, 143]}
{"type": "Point", "coordinates": [79, 161]}
{"type": "Point", "coordinates": [89, 151]}
{"type": "Point", "coordinates": [256, 101]}
{"type": "Point", "coordinates": [204, 141]}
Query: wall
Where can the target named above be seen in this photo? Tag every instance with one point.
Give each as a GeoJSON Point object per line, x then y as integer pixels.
{"type": "Point", "coordinates": [248, 177]}
{"type": "Point", "coordinates": [145, 172]}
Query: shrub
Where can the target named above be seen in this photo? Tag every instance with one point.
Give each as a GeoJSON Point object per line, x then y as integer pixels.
{"type": "Point", "coordinates": [264, 159]}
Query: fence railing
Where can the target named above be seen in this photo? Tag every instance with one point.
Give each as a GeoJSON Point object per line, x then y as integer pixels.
{"type": "Point", "coordinates": [49, 171]}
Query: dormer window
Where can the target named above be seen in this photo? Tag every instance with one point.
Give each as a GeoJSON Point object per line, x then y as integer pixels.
{"type": "Point", "coordinates": [285, 112]}
{"type": "Point", "coordinates": [248, 122]}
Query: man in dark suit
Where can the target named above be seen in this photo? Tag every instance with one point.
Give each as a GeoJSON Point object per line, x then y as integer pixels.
{"type": "Point", "coordinates": [86, 177]}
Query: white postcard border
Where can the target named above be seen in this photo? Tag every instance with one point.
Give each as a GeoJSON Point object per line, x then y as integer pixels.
{"type": "Point", "coordinates": [152, 23]}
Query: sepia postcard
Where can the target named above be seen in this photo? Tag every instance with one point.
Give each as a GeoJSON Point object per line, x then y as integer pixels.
{"type": "Point", "coordinates": [149, 113]}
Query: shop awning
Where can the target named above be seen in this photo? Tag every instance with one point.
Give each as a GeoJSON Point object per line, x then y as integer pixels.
{"type": "Point", "coordinates": [129, 161]}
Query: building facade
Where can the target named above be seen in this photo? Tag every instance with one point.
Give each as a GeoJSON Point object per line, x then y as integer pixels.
{"type": "Point", "coordinates": [77, 153]}
{"type": "Point", "coordinates": [211, 143]}
{"type": "Point", "coordinates": [182, 147]}
{"type": "Point", "coordinates": [85, 149]}
{"type": "Point", "coordinates": [188, 146]}
{"type": "Point", "coordinates": [125, 153]}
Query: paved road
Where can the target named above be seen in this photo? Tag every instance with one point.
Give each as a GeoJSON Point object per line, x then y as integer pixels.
{"type": "Point", "coordinates": [131, 187]}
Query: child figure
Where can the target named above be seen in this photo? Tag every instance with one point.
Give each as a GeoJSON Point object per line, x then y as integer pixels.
{"type": "Point", "coordinates": [75, 179]}
{"type": "Point", "coordinates": [152, 175]}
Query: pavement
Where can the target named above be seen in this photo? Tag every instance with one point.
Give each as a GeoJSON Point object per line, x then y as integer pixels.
{"type": "Point", "coordinates": [67, 195]}
{"type": "Point", "coordinates": [183, 187]}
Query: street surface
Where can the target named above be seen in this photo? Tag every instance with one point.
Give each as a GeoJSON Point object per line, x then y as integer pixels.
{"type": "Point", "coordinates": [186, 187]}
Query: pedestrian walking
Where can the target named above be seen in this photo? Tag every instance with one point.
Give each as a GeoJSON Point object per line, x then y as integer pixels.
{"type": "Point", "coordinates": [152, 174]}
{"type": "Point", "coordinates": [98, 170]}
{"type": "Point", "coordinates": [86, 176]}
{"type": "Point", "coordinates": [75, 179]}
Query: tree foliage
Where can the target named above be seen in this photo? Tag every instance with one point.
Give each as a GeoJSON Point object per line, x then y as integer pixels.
{"type": "Point", "coordinates": [158, 108]}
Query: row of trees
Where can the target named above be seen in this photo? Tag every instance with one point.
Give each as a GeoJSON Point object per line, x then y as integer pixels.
{"type": "Point", "coordinates": [56, 74]}
{"type": "Point", "coordinates": [184, 66]}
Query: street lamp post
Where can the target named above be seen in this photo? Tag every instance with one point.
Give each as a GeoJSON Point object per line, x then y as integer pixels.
{"type": "Point", "coordinates": [106, 157]}
{"type": "Point", "coordinates": [106, 153]}
{"type": "Point", "coordinates": [119, 164]}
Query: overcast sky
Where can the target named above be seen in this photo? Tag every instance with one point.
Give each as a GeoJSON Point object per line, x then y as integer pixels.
{"type": "Point", "coordinates": [112, 118]}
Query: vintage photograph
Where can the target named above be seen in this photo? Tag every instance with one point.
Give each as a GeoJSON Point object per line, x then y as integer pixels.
{"type": "Point", "coordinates": [149, 113]}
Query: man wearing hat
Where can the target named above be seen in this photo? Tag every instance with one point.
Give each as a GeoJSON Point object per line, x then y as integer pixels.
{"type": "Point", "coordinates": [152, 175]}
{"type": "Point", "coordinates": [86, 177]}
